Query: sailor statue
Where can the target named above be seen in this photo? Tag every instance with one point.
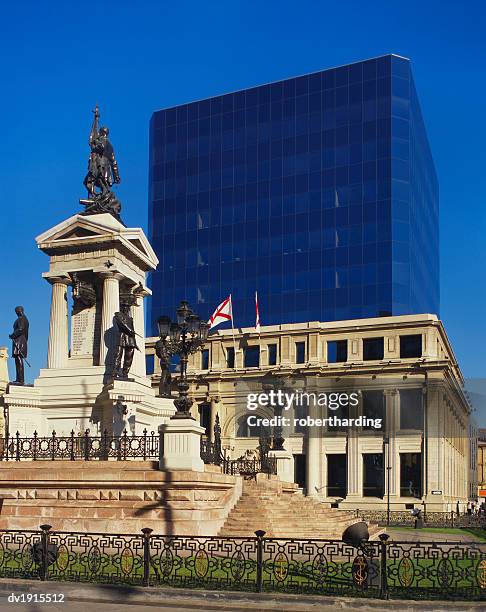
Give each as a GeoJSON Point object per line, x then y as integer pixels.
{"type": "Point", "coordinates": [20, 337]}
{"type": "Point", "coordinates": [102, 172]}
{"type": "Point", "coordinates": [126, 342]}
{"type": "Point", "coordinates": [163, 352]}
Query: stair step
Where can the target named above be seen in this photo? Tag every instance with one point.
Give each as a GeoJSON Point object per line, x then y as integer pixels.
{"type": "Point", "coordinates": [284, 514]}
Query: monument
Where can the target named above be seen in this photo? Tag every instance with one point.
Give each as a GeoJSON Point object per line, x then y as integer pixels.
{"type": "Point", "coordinates": [95, 382]}
{"type": "Point", "coordinates": [100, 266]}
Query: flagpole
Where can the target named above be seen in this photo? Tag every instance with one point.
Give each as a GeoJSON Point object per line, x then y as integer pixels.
{"type": "Point", "coordinates": [257, 308]}
{"type": "Point", "coordinates": [233, 332]}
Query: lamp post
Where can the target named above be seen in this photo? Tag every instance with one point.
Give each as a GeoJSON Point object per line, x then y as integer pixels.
{"type": "Point", "coordinates": [386, 440]}
{"type": "Point", "coordinates": [184, 337]}
{"type": "Point", "coordinates": [277, 438]}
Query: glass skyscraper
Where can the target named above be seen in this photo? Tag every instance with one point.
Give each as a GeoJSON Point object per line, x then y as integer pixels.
{"type": "Point", "coordinates": [319, 192]}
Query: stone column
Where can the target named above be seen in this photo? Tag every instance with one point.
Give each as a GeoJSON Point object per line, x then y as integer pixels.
{"type": "Point", "coordinates": [57, 352]}
{"type": "Point", "coordinates": [392, 398]}
{"type": "Point", "coordinates": [355, 349]}
{"type": "Point", "coordinates": [111, 304]}
{"type": "Point", "coordinates": [313, 343]}
{"type": "Point", "coordinates": [214, 406]}
{"type": "Point", "coordinates": [433, 404]}
{"type": "Point", "coordinates": [138, 314]}
{"type": "Point", "coordinates": [312, 457]}
{"type": "Point", "coordinates": [354, 460]}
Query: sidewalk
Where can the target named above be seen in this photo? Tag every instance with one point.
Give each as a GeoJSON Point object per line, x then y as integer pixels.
{"type": "Point", "coordinates": [101, 598]}
{"type": "Point", "coordinates": [427, 535]}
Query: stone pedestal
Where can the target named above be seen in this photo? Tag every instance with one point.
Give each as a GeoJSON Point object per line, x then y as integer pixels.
{"type": "Point", "coordinates": [285, 464]}
{"type": "Point", "coordinates": [114, 497]}
{"type": "Point", "coordinates": [181, 445]}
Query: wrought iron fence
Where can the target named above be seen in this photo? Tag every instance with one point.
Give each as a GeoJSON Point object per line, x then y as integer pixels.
{"type": "Point", "coordinates": [122, 448]}
{"type": "Point", "coordinates": [404, 518]}
{"type": "Point", "coordinates": [411, 570]}
{"type": "Point", "coordinates": [84, 447]}
{"type": "Point", "coordinates": [211, 451]}
{"type": "Point", "coordinates": [250, 467]}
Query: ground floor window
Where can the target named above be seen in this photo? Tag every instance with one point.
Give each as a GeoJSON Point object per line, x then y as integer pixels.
{"type": "Point", "coordinates": [411, 475]}
{"type": "Point", "coordinates": [204, 417]}
{"type": "Point", "coordinates": [336, 475]}
{"type": "Point", "coordinates": [373, 475]}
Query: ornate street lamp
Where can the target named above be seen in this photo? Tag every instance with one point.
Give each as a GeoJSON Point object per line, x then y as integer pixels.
{"type": "Point", "coordinates": [183, 338]}
{"type": "Point", "coordinates": [271, 384]}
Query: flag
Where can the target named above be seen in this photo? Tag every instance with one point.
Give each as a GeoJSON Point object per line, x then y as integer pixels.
{"type": "Point", "coordinates": [257, 323]}
{"type": "Point", "coordinates": [224, 312]}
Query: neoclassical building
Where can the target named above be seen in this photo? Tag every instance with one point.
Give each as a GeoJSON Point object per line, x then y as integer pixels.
{"type": "Point", "coordinates": [404, 372]}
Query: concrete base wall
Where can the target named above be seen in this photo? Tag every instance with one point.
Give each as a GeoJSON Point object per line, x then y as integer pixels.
{"type": "Point", "coordinates": [114, 497]}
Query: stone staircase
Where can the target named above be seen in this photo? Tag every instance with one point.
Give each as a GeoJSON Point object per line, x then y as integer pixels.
{"type": "Point", "coordinates": [282, 511]}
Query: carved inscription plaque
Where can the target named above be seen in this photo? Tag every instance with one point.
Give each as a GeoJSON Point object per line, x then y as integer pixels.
{"type": "Point", "coordinates": [83, 332]}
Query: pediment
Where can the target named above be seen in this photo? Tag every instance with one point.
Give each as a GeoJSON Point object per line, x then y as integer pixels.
{"type": "Point", "coordinates": [137, 239]}
{"type": "Point", "coordinates": [88, 230]}
{"type": "Point", "coordinates": [80, 226]}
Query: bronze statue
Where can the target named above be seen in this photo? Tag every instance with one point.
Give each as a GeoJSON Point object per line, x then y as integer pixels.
{"type": "Point", "coordinates": [20, 337]}
{"type": "Point", "coordinates": [164, 354]}
{"type": "Point", "coordinates": [84, 293]}
{"type": "Point", "coordinates": [126, 342]}
{"type": "Point", "coordinates": [102, 172]}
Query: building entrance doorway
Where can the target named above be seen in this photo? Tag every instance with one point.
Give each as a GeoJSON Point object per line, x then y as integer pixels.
{"type": "Point", "coordinates": [411, 475]}
{"type": "Point", "coordinates": [300, 471]}
{"type": "Point", "coordinates": [373, 475]}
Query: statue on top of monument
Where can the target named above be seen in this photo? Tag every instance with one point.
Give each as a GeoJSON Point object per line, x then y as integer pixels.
{"type": "Point", "coordinates": [19, 337]}
{"type": "Point", "coordinates": [102, 172]}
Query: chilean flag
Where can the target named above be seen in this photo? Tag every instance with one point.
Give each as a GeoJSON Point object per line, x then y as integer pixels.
{"type": "Point", "coordinates": [257, 322]}
{"type": "Point", "coordinates": [224, 312]}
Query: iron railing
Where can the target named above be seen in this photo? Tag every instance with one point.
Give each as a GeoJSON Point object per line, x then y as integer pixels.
{"type": "Point", "coordinates": [250, 467]}
{"type": "Point", "coordinates": [82, 447]}
{"type": "Point", "coordinates": [124, 447]}
{"type": "Point", "coordinates": [385, 569]}
{"type": "Point", "coordinates": [404, 518]}
{"type": "Point", "coordinates": [211, 452]}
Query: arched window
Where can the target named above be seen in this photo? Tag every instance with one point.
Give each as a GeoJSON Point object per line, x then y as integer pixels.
{"type": "Point", "coordinates": [243, 430]}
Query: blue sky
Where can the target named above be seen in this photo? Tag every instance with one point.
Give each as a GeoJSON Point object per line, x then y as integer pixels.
{"type": "Point", "coordinates": [60, 58]}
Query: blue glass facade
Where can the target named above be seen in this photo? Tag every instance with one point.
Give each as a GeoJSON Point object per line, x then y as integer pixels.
{"type": "Point", "coordinates": [319, 192]}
